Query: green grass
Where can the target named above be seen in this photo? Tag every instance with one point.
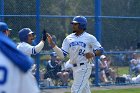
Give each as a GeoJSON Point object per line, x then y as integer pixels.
{"type": "Point", "coordinates": [131, 90]}
{"type": "Point", "coordinates": [122, 70]}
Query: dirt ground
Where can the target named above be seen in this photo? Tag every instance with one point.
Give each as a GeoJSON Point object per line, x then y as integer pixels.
{"type": "Point", "coordinates": [63, 90]}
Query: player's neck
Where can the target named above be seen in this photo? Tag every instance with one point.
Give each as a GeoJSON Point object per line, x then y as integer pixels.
{"type": "Point", "coordinates": [79, 32]}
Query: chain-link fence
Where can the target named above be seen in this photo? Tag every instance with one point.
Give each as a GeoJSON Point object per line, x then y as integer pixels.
{"type": "Point", "coordinates": [119, 22]}
{"type": "Point", "coordinates": [114, 68]}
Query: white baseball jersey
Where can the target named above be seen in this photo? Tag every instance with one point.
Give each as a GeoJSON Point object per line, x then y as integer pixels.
{"type": "Point", "coordinates": [29, 49]}
{"type": "Point", "coordinates": [77, 47]}
{"type": "Point", "coordinates": [13, 80]}
{"type": "Point", "coordinates": [26, 48]}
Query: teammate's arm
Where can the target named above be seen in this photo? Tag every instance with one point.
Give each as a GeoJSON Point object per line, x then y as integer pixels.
{"type": "Point", "coordinates": [39, 46]}
{"type": "Point", "coordinates": [55, 47]}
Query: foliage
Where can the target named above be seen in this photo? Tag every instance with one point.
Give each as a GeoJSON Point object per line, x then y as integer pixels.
{"type": "Point", "coordinates": [120, 32]}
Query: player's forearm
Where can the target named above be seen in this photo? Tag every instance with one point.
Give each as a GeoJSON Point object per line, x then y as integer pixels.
{"type": "Point", "coordinates": [55, 47]}
{"type": "Point", "coordinates": [39, 47]}
{"type": "Point", "coordinates": [58, 51]}
{"type": "Point", "coordinates": [52, 44]}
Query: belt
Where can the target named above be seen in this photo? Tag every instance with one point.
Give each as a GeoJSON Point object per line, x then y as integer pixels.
{"type": "Point", "coordinates": [75, 65]}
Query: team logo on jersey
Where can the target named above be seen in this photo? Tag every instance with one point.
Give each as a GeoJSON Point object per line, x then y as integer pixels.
{"type": "Point", "coordinates": [79, 43]}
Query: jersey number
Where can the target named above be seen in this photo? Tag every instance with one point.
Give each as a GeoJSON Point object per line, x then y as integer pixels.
{"type": "Point", "coordinates": [3, 75]}
{"type": "Point", "coordinates": [81, 52]}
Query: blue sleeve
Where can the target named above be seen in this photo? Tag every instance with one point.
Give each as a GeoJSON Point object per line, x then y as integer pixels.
{"type": "Point", "coordinates": [101, 49]}
{"type": "Point", "coordinates": [8, 48]}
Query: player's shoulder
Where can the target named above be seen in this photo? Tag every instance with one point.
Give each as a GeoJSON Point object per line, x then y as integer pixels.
{"type": "Point", "coordinates": [69, 36]}
{"type": "Point", "coordinates": [23, 45]}
{"type": "Point", "coordinates": [89, 35]}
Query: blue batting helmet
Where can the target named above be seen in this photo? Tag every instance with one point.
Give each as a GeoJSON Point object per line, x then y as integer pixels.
{"type": "Point", "coordinates": [81, 20]}
{"type": "Point", "coordinates": [4, 26]}
{"type": "Point", "coordinates": [23, 34]}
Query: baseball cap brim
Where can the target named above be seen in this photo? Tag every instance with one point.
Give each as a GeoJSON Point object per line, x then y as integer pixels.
{"type": "Point", "coordinates": [74, 22]}
{"type": "Point", "coordinates": [31, 32]}
{"type": "Point", "coordinates": [9, 29]}
{"type": "Point", "coordinates": [4, 26]}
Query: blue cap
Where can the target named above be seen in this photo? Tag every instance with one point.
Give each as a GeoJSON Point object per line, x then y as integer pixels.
{"type": "Point", "coordinates": [4, 26]}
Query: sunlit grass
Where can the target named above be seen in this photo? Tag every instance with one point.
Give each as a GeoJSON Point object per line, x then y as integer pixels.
{"type": "Point", "coordinates": [131, 90]}
{"type": "Point", "coordinates": [122, 70]}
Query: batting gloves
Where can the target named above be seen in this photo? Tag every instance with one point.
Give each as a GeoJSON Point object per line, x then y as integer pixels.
{"type": "Point", "coordinates": [44, 37]}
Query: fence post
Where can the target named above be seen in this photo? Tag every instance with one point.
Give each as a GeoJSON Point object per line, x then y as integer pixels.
{"type": "Point", "coordinates": [37, 38]}
{"type": "Point", "coordinates": [98, 35]}
{"type": "Point", "coordinates": [1, 10]}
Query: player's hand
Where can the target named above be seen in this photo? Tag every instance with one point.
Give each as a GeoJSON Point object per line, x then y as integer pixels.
{"type": "Point", "coordinates": [49, 38]}
{"type": "Point", "coordinates": [50, 41]}
{"type": "Point", "coordinates": [90, 56]}
{"type": "Point", "coordinates": [44, 37]}
{"type": "Point", "coordinates": [98, 53]}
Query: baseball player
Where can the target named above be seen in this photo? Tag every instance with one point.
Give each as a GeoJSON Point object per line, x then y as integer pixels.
{"type": "Point", "coordinates": [15, 76]}
{"type": "Point", "coordinates": [81, 47]}
{"type": "Point", "coordinates": [26, 36]}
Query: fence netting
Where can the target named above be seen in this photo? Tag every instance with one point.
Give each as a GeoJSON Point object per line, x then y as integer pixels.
{"type": "Point", "coordinates": [120, 20]}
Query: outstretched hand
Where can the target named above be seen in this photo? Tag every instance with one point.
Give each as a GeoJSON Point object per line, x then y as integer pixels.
{"type": "Point", "coordinates": [49, 38]}
{"type": "Point", "coordinates": [50, 41]}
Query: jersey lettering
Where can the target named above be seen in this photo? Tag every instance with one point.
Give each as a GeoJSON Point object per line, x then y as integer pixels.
{"type": "Point", "coordinates": [3, 75]}
{"type": "Point", "coordinates": [81, 52]}
{"type": "Point", "coordinates": [79, 43]}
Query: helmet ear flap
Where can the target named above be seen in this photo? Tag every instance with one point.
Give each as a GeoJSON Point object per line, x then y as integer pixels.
{"type": "Point", "coordinates": [82, 26]}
